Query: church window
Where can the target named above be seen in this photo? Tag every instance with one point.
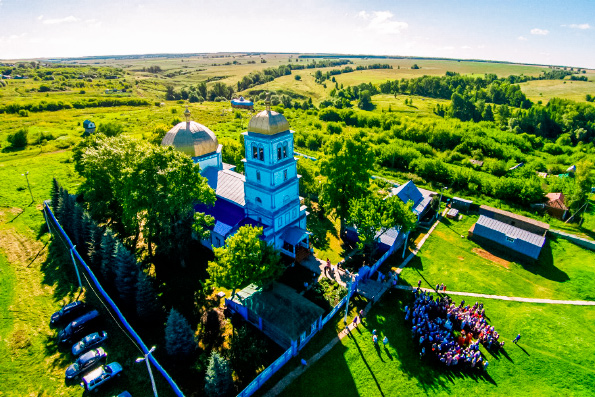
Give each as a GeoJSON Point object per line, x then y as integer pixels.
{"type": "Point", "coordinates": [279, 152]}
{"type": "Point", "coordinates": [280, 222]}
{"type": "Point", "coordinates": [261, 153]}
{"type": "Point", "coordinates": [258, 176]}
{"type": "Point", "coordinates": [285, 151]}
{"type": "Point", "coordinates": [287, 217]}
{"type": "Point", "coordinates": [254, 151]}
{"type": "Point", "coordinates": [294, 213]}
{"type": "Point", "coordinates": [258, 201]}
{"type": "Point", "coordinates": [284, 175]}
{"type": "Point", "coordinates": [285, 200]}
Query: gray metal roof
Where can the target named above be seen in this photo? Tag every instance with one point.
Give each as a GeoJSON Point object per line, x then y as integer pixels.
{"type": "Point", "coordinates": [511, 231]}
{"type": "Point", "coordinates": [230, 185]}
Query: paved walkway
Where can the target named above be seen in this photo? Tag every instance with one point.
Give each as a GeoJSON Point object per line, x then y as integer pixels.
{"type": "Point", "coordinates": [506, 298]}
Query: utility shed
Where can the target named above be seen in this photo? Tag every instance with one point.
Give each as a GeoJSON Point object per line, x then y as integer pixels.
{"type": "Point", "coordinates": [519, 221]}
{"type": "Point", "coordinates": [461, 204]}
{"type": "Point", "coordinates": [492, 231]}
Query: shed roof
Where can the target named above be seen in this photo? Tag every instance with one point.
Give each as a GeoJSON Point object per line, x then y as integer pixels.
{"type": "Point", "coordinates": [511, 231]}
{"type": "Point", "coordinates": [511, 215]}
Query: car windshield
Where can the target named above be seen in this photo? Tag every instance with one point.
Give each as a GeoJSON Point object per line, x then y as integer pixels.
{"type": "Point", "coordinates": [75, 366]}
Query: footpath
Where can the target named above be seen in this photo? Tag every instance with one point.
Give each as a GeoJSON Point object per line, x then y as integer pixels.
{"type": "Point", "coordinates": [504, 298]}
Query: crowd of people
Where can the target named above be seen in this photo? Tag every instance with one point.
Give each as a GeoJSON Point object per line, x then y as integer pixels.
{"type": "Point", "coordinates": [450, 333]}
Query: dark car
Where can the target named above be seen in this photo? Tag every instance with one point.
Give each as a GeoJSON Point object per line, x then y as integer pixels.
{"type": "Point", "coordinates": [68, 312]}
{"type": "Point", "coordinates": [90, 341]}
{"type": "Point", "coordinates": [78, 327]}
{"type": "Point", "coordinates": [85, 362]}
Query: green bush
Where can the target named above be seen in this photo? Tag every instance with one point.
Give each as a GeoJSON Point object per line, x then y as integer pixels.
{"type": "Point", "coordinates": [18, 139]}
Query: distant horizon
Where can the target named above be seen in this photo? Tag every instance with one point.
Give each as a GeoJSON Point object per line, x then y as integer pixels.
{"type": "Point", "coordinates": [544, 33]}
{"type": "Point", "coordinates": [304, 54]}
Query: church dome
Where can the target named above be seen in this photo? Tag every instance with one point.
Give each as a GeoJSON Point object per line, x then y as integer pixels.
{"type": "Point", "coordinates": [191, 138]}
{"type": "Point", "coordinates": [268, 122]}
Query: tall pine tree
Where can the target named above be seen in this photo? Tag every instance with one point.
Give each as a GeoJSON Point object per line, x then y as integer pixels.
{"type": "Point", "coordinates": [108, 248]}
{"type": "Point", "coordinates": [126, 271]}
{"type": "Point", "coordinates": [218, 380]}
{"type": "Point", "coordinates": [147, 307]}
{"type": "Point", "coordinates": [76, 235]}
{"type": "Point", "coordinates": [179, 337]}
{"type": "Point", "coordinates": [55, 195]}
{"type": "Point", "coordinates": [94, 244]}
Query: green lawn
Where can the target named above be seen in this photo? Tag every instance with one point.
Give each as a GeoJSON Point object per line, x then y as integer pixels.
{"type": "Point", "coordinates": [564, 270]}
{"type": "Point", "coordinates": [555, 356]}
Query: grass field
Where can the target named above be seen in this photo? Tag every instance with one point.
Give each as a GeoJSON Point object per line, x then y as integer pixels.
{"type": "Point", "coordinates": [554, 357]}
{"type": "Point", "coordinates": [544, 90]}
{"type": "Point", "coordinates": [564, 271]}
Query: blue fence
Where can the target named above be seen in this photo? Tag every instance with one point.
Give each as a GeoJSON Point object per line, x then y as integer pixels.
{"type": "Point", "coordinates": [110, 302]}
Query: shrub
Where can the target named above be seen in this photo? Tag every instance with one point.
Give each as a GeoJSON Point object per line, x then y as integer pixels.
{"type": "Point", "coordinates": [110, 129]}
{"type": "Point", "coordinates": [334, 128]}
{"type": "Point", "coordinates": [23, 113]}
{"type": "Point", "coordinates": [18, 139]}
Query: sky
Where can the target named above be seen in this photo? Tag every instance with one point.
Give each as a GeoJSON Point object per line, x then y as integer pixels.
{"type": "Point", "coordinates": [538, 32]}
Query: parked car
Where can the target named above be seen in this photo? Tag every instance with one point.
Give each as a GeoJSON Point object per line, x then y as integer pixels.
{"type": "Point", "coordinates": [78, 327]}
{"type": "Point", "coordinates": [68, 312]}
{"type": "Point", "coordinates": [89, 342]}
{"type": "Point", "coordinates": [101, 375]}
{"type": "Point", "coordinates": [85, 362]}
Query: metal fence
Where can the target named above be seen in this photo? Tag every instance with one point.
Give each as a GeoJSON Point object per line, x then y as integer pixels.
{"type": "Point", "coordinates": [50, 218]}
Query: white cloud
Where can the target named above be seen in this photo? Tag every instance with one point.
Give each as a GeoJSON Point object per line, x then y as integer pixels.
{"type": "Point", "coordinates": [93, 23]}
{"type": "Point", "coordinates": [522, 38]}
{"type": "Point", "coordinates": [581, 26]}
{"type": "Point", "coordinates": [465, 47]}
{"type": "Point", "coordinates": [57, 21]}
{"type": "Point", "coordinates": [382, 22]}
{"type": "Point", "coordinates": [540, 32]}
{"type": "Point", "coordinates": [39, 18]}
{"type": "Point", "coordinates": [448, 48]}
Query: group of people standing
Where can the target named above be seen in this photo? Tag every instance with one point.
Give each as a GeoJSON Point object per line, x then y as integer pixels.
{"type": "Point", "coordinates": [448, 332]}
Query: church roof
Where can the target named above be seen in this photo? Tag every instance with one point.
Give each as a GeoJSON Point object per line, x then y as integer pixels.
{"type": "Point", "coordinates": [227, 184]}
{"type": "Point", "coordinates": [191, 138]}
{"type": "Point", "coordinates": [268, 122]}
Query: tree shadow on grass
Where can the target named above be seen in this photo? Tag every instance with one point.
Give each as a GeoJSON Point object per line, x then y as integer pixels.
{"type": "Point", "coordinates": [319, 225]}
{"type": "Point", "coordinates": [366, 362]}
{"type": "Point", "coordinates": [58, 270]}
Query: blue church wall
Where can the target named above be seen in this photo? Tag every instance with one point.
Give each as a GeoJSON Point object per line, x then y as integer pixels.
{"type": "Point", "coordinates": [210, 160]}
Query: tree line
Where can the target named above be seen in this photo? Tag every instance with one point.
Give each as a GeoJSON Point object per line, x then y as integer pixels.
{"type": "Point", "coordinates": [51, 106]}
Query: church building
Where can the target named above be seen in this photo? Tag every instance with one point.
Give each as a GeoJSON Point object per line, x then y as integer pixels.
{"type": "Point", "coordinates": [266, 196]}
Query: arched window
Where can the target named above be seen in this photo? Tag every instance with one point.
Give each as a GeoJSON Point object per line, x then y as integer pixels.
{"type": "Point", "coordinates": [284, 175]}
{"type": "Point", "coordinates": [254, 151]}
{"type": "Point", "coordinates": [285, 150]}
{"type": "Point", "coordinates": [258, 176]}
{"type": "Point", "coordinates": [279, 152]}
{"type": "Point", "coordinates": [261, 152]}
{"type": "Point", "coordinates": [258, 201]}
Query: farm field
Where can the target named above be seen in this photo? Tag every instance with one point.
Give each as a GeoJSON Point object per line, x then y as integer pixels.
{"type": "Point", "coordinates": [544, 90]}
{"type": "Point", "coordinates": [553, 357]}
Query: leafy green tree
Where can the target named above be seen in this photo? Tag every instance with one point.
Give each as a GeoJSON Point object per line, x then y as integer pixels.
{"type": "Point", "coordinates": [310, 181]}
{"type": "Point", "coordinates": [245, 353]}
{"type": "Point", "coordinates": [583, 181]}
{"type": "Point", "coordinates": [233, 153]}
{"type": "Point", "coordinates": [346, 169]}
{"type": "Point", "coordinates": [179, 337]}
{"type": "Point", "coordinates": [365, 101]}
{"type": "Point", "coordinates": [244, 259]}
{"type": "Point", "coordinates": [373, 216]}
{"type": "Point", "coordinates": [218, 380]}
